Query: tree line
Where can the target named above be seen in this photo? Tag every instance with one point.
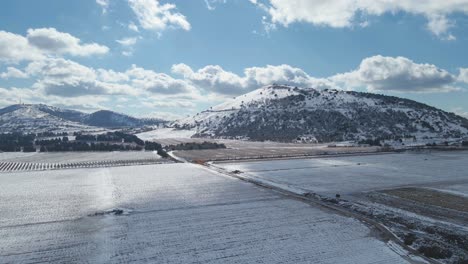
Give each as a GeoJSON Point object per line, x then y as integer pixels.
{"type": "Point", "coordinates": [111, 141]}
{"type": "Point", "coordinates": [110, 137]}
{"type": "Point", "coordinates": [194, 146]}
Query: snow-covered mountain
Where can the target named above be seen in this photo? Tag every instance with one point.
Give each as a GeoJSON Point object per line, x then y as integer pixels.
{"type": "Point", "coordinates": [284, 113]}
{"type": "Point", "coordinates": [37, 118]}
{"type": "Point", "coordinates": [105, 118]}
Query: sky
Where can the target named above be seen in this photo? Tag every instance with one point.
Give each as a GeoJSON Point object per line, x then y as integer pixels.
{"type": "Point", "coordinates": [170, 59]}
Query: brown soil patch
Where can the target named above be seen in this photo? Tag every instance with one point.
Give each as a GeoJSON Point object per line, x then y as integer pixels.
{"type": "Point", "coordinates": [431, 197]}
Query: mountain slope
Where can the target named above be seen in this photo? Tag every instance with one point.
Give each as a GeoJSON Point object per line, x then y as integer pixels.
{"type": "Point", "coordinates": [284, 113]}
{"type": "Point", "coordinates": [36, 118]}
{"type": "Point", "coordinates": [105, 118]}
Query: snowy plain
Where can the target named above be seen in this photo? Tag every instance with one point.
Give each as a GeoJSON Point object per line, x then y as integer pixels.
{"type": "Point", "coordinates": [354, 174]}
{"type": "Point", "coordinates": [166, 133]}
{"type": "Point", "coordinates": [70, 157]}
{"type": "Point", "coordinates": [172, 213]}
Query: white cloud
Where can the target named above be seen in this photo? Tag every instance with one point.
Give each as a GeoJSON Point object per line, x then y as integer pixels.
{"type": "Point", "coordinates": [15, 48]}
{"type": "Point", "coordinates": [133, 27]}
{"type": "Point", "coordinates": [169, 116]}
{"type": "Point", "coordinates": [112, 76]}
{"type": "Point", "coordinates": [66, 78]}
{"type": "Point", "coordinates": [9, 96]}
{"type": "Point", "coordinates": [13, 73]}
{"type": "Point", "coordinates": [49, 40]}
{"type": "Point", "coordinates": [210, 4]}
{"type": "Point", "coordinates": [104, 5]}
{"type": "Point", "coordinates": [347, 13]}
{"type": "Point", "coordinates": [42, 42]}
{"type": "Point", "coordinates": [212, 77]}
{"type": "Point", "coordinates": [61, 81]}
{"type": "Point", "coordinates": [215, 79]}
{"type": "Point", "coordinates": [284, 74]}
{"type": "Point", "coordinates": [380, 73]}
{"type": "Point", "coordinates": [159, 83]}
{"type": "Point", "coordinates": [375, 73]}
{"type": "Point", "coordinates": [463, 75]}
{"type": "Point", "coordinates": [268, 26]}
{"type": "Point", "coordinates": [155, 103]}
{"type": "Point", "coordinates": [127, 42]}
{"type": "Point", "coordinates": [157, 17]}
{"type": "Point", "coordinates": [440, 25]}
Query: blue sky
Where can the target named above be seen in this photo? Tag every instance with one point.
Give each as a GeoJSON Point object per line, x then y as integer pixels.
{"type": "Point", "coordinates": [177, 57]}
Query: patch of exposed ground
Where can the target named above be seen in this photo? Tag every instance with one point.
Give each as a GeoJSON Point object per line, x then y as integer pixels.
{"type": "Point", "coordinates": [434, 231]}
{"type": "Point", "coordinates": [266, 152]}
{"type": "Point", "coordinates": [431, 197]}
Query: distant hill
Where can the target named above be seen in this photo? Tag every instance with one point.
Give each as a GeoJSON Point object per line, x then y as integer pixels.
{"type": "Point", "coordinates": [284, 113]}
{"type": "Point", "coordinates": [105, 118]}
{"type": "Point", "coordinates": [40, 118]}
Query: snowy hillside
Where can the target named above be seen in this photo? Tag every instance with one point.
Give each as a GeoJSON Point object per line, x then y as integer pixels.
{"type": "Point", "coordinates": [36, 118]}
{"type": "Point", "coordinates": [40, 118]}
{"type": "Point", "coordinates": [105, 118]}
{"type": "Point", "coordinates": [284, 113]}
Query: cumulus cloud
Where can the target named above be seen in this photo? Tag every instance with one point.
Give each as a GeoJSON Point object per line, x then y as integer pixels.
{"type": "Point", "coordinates": [49, 40]}
{"type": "Point", "coordinates": [112, 76]}
{"type": "Point", "coordinates": [216, 79]}
{"type": "Point", "coordinates": [380, 73]}
{"type": "Point", "coordinates": [157, 17]}
{"type": "Point", "coordinates": [13, 73]}
{"type": "Point", "coordinates": [159, 83]}
{"type": "Point", "coordinates": [348, 13]}
{"type": "Point", "coordinates": [376, 74]}
{"type": "Point", "coordinates": [13, 95]}
{"type": "Point", "coordinates": [39, 43]}
{"type": "Point", "coordinates": [69, 79]}
{"type": "Point", "coordinates": [15, 48]}
{"type": "Point", "coordinates": [212, 77]}
{"type": "Point", "coordinates": [284, 74]}
{"type": "Point", "coordinates": [64, 80]}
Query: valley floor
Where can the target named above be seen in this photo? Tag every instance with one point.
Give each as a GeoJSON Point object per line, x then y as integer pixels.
{"type": "Point", "coordinates": [171, 213]}
{"type": "Point", "coordinates": [421, 197]}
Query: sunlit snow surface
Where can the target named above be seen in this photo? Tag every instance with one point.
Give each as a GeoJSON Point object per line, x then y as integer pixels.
{"type": "Point", "coordinates": [166, 133]}
{"type": "Point", "coordinates": [443, 170]}
{"type": "Point", "coordinates": [172, 213]}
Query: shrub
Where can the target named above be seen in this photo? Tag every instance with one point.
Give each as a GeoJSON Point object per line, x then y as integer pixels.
{"type": "Point", "coordinates": [435, 251]}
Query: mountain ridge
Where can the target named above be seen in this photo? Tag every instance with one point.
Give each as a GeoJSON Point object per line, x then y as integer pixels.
{"type": "Point", "coordinates": [41, 117]}
{"type": "Point", "coordinates": [286, 113]}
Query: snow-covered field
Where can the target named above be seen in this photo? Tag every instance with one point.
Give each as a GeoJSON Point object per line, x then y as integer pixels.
{"type": "Point", "coordinates": [172, 213]}
{"type": "Point", "coordinates": [73, 157]}
{"type": "Point", "coordinates": [354, 174]}
{"type": "Point", "coordinates": [166, 133]}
